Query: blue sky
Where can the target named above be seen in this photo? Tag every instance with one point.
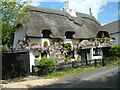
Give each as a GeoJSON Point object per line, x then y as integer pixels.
{"type": "Point", "coordinates": [105, 11]}
{"type": "Point", "coordinates": [53, 5]}
{"type": "Point", "coordinates": [109, 13]}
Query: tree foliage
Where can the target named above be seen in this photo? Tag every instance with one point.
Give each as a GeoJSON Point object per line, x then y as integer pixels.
{"type": "Point", "coordinates": [115, 50]}
{"type": "Point", "coordinates": [12, 12]}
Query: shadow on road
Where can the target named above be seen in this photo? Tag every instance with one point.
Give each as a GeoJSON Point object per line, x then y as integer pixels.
{"type": "Point", "coordinates": [106, 82]}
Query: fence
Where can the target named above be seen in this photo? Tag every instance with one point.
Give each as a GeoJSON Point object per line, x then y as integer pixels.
{"type": "Point", "coordinates": [66, 66]}
{"type": "Point", "coordinates": [95, 62]}
{"type": "Point", "coordinates": [111, 58]}
{"type": "Point", "coordinates": [15, 64]}
{"type": "Point", "coordinates": [70, 65]}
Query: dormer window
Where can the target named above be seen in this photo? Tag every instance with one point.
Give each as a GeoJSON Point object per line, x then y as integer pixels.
{"type": "Point", "coordinates": [46, 33]}
{"type": "Point", "coordinates": [69, 34]}
{"type": "Point", "coordinates": [113, 39]}
{"type": "Point", "coordinates": [102, 34]}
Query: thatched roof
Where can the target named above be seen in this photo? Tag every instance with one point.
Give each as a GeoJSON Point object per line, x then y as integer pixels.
{"type": "Point", "coordinates": [112, 27]}
{"type": "Point", "coordinates": [85, 42]}
{"type": "Point", "coordinates": [106, 44]}
{"type": "Point", "coordinates": [58, 22]}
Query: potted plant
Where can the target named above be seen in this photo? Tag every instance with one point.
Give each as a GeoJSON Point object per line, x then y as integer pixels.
{"type": "Point", "coordinates": [36, 55]}
{"type": "Point", "coordinates": [33, 44]}
{"type": "Point", "coordinates": [45, 43]}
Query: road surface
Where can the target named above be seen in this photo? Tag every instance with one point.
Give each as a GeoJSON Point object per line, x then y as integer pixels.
{"type": "Point", "coordinates": [102, 78]}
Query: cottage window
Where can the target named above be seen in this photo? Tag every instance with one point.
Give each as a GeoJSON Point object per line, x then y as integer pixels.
{"type": "Point", "coordinates": [113, 39]}
{"type": "Point", "coordinates": [46, 33]}
{"type": "Point", "coordinates": [69, 34]}
{"type": "Point", "coordinates": [96, 52]}
{"type": "Point", "coordinates": [102, 34]}
{"type": "Point", "coordinates": [44, 54]}
{"type": "Point", "coordinates": [71, 53]}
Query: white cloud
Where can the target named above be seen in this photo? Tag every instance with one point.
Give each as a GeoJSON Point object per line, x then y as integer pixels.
{"type": "Point", "coordinates": [102, 24]}
{"type": "Point", "coordinates": [83, 6]}
{"type": "Point", "coordinates": [34, 2]}
{"type": "Point", "coordinates": [113, 0]}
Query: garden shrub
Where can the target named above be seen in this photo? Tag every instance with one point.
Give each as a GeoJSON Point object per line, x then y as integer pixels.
{"type": "Point", "coordinates": [47, 65]}
{"type": "Point", "coordinates": [115, 51]}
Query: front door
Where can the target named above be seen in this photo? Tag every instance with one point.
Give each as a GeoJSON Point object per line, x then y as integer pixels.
{"type": "Point", "coordinates": [83, 55]}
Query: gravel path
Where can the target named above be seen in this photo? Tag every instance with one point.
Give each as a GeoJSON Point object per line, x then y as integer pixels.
{"type": "Point", "coordinates": [27, 82]}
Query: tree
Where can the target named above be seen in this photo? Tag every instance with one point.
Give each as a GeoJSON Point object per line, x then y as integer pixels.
{"type": "Point", "coordinates": [115, 51]}
{"type": "Point", "coordinates": [12, 12]}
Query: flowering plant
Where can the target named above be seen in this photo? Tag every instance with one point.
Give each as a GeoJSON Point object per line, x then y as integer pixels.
{"type": "Point", "coordinates": [23, 44]}
{"type": "Point", "coordinates": [60, 61]}
{"type": "Point", "coordinates": [68, 59]}
{"type": "Point", "coordinates": [34, 46]}
{"type": "Point", "coordinates": [57, 50]}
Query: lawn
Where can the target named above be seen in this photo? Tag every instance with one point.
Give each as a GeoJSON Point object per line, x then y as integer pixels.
{"type": "Point", "coordinates": [60, 74]}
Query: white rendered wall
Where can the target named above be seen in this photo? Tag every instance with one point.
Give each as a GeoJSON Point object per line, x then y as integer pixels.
{"type": "Point", "coordinates": [19, 33]}
{"type": "Point", "coordinates": [72, 41]}
{"type": "Point", "coordinates": [68, 41]}
{"type": "Point", "coordinates": [101, 52]}
{"type": "Point", "coordinates": [32, 58]}
{"type": "Point", "coordinates": [91, 53]}
{"type": "Point", "coordinates": [32, 52]}
{"type": "Point", "coordinates": [88, 56]}
{"type": "Point", "coordinates": [75, 54]}
{"type": "Point", "coordinates": [45, 39]}
{"type": "Point", "coordinates": [41, 40]}
{"type": "Point", "coordinates": [117, 39]}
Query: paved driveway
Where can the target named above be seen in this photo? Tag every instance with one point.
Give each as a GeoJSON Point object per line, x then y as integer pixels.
{"type": "Point", "coordinates": [102, 78]}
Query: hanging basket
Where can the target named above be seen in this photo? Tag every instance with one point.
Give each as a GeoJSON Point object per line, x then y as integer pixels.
{"type": "Point", "coordinates": [36, 55]}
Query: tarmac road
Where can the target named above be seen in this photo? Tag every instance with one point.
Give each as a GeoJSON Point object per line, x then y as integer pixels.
{"type": "Point", "coordinates": [102, 78]}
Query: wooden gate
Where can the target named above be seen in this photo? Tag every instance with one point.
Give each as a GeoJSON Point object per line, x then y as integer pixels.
{"type": "Point", "coordinates": [15, 64]}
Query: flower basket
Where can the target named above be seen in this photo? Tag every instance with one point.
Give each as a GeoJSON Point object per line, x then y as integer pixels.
{"type": "Point", "coordinates": [36, 55]}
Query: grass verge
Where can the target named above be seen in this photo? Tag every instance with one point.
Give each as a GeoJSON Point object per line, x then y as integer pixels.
{"type": "Point", "coordinates": [61, 74]}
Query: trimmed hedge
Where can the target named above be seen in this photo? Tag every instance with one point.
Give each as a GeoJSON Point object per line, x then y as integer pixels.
{"type": "Point", "coordinates": [46, 65]}
{"type": "Point", "coordinates": [115, 50]}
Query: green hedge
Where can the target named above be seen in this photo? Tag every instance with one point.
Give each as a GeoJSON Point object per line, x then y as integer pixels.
{"type": "Point", "coordinates": [47, 65]}
{"type": "Point", "coordinates": [115, 50]}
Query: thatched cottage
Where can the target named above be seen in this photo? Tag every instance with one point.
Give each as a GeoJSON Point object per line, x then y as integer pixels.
{"type": "Point", "coordinates": [58, 34]}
